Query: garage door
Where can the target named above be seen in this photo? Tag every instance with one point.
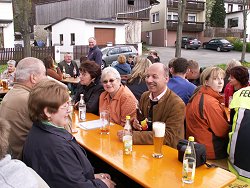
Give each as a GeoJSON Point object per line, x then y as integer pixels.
{"type": "Point", "coordinates": [104, 35]}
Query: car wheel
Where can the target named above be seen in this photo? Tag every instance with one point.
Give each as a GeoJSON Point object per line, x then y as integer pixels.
{"type": "Point", "coordinates": [218, 49]}
{"type": "Point", "coordinates": [103, 65]}
{"type": "Point", "coordinates": [185, 46]}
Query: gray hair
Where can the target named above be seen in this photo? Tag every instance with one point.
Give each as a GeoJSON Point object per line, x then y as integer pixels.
{"type": "Point", "coordinates": [110, 71]}
{"type": "Point", "coordinates": [28, 66]}
{"type": "Point", "coordinates": [12, 62]}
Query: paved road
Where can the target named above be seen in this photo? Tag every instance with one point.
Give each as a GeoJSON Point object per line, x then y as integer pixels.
{"type": "Point", "coordinates": [204, 57]}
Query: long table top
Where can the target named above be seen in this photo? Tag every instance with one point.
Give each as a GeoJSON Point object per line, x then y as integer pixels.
{"type": "Point", "coordinates": [142, 167]}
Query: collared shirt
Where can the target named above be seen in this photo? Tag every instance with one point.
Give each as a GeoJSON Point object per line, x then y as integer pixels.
{"type": "Point", "coordinates": [159, 96]}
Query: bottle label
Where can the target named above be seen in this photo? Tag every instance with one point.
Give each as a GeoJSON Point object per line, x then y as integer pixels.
{"type": "Point", "coordinates": [127, 144]}
{"type": "Point", "coordinates": [82, 115]}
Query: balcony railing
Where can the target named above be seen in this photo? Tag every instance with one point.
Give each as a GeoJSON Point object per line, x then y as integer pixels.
{"type": "Point", "coordinates": [191, 5]}
{"type": "Point", "coordinates": [187, 26]}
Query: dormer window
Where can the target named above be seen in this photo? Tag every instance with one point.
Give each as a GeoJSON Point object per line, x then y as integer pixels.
{"type": "Point", "coordinates": [131, 2]}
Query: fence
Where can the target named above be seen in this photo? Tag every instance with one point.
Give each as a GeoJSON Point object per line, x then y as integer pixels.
{"type": "Point", "coordinates": [17, 53]}
{"type": "Point", "coordinates": [223, 32]}
{"type": "Point", "coordinates": [82, 50]}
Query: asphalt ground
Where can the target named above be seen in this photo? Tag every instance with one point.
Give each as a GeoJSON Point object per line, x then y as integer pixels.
{"type": "Point", "coordinates": [204, 57]}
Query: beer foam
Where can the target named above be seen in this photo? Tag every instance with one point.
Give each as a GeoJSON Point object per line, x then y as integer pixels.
{"type": "Point", "coordinates": [159, 129]}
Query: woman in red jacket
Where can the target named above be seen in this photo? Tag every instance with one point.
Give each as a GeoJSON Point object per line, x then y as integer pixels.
{"type": "Point", "coordinates": [206, 118]}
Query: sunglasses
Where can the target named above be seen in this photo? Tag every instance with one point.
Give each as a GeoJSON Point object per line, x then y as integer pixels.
{"type": "Point", "coordinates": [110, 80]}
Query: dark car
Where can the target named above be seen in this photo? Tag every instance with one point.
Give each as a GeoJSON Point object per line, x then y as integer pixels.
{"type": "Point", "coordinates": [190, 43]}
{"type": "Point", "coordinates": [110, 53]}
{"type": "Point", "coordinates": [218, 44]}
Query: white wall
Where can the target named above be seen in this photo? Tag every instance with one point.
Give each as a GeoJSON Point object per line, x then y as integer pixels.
{"type": "Point", "coordinates": [82, 32]}
{"type": "Point", "coordinates": [6, 13]}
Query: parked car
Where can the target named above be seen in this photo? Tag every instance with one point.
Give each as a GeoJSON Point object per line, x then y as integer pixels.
{"type": "Point", "coordinates": [218, 44]}
{"type": "Point", "coordinates": [190, 43]}
{"type": "Point", "coordinates": [110, 53]}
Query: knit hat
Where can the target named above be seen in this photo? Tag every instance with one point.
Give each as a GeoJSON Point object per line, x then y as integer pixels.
{"type": "Point", "coordinates": [12, 62]}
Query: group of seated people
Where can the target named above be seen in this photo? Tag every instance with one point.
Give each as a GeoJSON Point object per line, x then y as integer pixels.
{"type": "Point", "coordinates": [188, 107]}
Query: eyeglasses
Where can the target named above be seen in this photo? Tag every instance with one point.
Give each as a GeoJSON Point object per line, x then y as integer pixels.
{"type": "Point", "coordinates": [110, 80]}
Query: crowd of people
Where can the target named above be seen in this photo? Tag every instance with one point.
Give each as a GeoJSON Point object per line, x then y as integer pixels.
{"type": "Point", "coordinates": [190, 100]}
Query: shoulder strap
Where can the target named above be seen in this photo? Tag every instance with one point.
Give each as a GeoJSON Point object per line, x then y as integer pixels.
{"type": "Point", "coordinates": [201, 103]}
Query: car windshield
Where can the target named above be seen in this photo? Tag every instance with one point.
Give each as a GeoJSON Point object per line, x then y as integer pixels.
{"type": "Point", "coordinates": [104, 50]}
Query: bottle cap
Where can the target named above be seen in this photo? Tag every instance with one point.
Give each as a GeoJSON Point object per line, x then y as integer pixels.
{"type": "Point", "coordinates": [127, 117]}
{"type": "Point", "coordinates": [191, 139]}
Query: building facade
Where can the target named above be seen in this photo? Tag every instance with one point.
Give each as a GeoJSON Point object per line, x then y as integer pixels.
{"type": "Point", "coordinates": [161, 29]}
{"type": "Point", "coordinates": [234, 16]}
{"type": "Point", "coordinates": [6, 24]}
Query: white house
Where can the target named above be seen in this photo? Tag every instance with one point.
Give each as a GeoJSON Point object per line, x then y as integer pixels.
{"type": "Point", "coordinates": [234, 16]}
{"type": "Point", "coordinates": [75, 31]}
{"type": "Point", "coordinates": [6, 24]}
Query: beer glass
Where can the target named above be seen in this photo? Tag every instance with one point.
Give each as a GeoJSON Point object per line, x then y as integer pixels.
{"type": "Point", "coordinates": [5, 84]}
{"type": "Point", "coordinates": [159, 133]}
{"type": "Point", "coordinates": [105, 122]}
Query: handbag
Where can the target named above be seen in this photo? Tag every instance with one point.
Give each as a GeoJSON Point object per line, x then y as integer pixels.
{"type": "Point", "coordinates": [200, 151]}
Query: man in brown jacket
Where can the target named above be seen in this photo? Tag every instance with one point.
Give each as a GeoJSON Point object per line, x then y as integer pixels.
{"type": "Point", "coordinates": [166, 107]}
{"type": "Point", "coordinates": [14, 107]}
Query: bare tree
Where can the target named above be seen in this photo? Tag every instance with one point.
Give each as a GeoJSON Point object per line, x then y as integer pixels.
{"type": "Point", "coordinates": [22, 18]}
{"type": "Point", "coordinates": [245, 13]}
{"type": "Point", "coordinates": [181, 15]}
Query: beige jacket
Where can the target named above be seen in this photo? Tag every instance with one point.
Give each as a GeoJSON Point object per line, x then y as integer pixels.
{"type": "Point", "coordinates": [14, 108]}
{"type": "Point", "coordinates": [171, 110]}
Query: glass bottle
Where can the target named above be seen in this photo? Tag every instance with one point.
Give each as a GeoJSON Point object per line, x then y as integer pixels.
{"type": "Point", "coordinates": [64, 72]}
{"type": "Point", "coordinates": [82, 108]}
{"type": "Point", "coordinates": [189, 162]}
{"type": "Point", "coordinates": [74, 72]}
{"type": "Point", "coordinates": [127, 137]}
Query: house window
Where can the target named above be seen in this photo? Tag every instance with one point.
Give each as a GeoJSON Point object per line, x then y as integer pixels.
{"type": "Point", "coordinates": [172, 16]}
{"type": "Point", "coordinates": [192, 17]}
{"type": "Point", "coordinates": [72, 38]}
{"type": "Point", "coordinates": [233, 22]}
{"type": "Point", "coordinates": [61, 39]}
{"type": "Point", "coordinates": [155, 17]}
{"type": "Point", "coordinates": [240, 7]}
{"type": "Point", "coordinates": [1, 38]}
{"type": "Point", "coordinates": [131, 2]}
{"type": "Point", "coordinates": [230, 8]}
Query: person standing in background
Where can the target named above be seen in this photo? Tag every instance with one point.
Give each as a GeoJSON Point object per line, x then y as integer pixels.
{"type": "Point", "coordinates": [95, 53]}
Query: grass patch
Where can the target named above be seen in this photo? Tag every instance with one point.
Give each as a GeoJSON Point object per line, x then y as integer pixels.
{"type": "Point", "coordinates": [223, 66]}
{"type": "Point", "coordinates": [3, 68]}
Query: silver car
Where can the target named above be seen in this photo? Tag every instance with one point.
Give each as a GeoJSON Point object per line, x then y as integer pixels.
{"type": "Point", "coordinates": [110, 53]}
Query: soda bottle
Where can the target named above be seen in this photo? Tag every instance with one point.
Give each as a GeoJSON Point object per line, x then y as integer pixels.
{"type": "Point", "coordinates": [189, 162]}
{"type": "Point", "coordinates": [74, 72]}
{"type": "Point", "coordinates": [127, 137]}
{"type": "Point", "coordinates": [82, 109]}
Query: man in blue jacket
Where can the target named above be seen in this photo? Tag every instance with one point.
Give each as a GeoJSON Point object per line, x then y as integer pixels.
{"type": "Point", "coordinates": [95, 53]}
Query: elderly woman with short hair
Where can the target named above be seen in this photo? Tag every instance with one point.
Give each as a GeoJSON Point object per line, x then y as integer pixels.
{"type": "Point", "coordinates": [206, 118]}
{"type": "Point", "coordinates": [116, 98]}
{"type": "Point", "coordinates": [90, 86]}
{"type": "Point", "coordinates": [51, 150]}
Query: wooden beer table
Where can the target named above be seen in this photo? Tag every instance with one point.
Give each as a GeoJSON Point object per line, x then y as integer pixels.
{"type": "Point", "coordinates": [141, 166]}
{"type": "Point", "coordinates": [71, 80]}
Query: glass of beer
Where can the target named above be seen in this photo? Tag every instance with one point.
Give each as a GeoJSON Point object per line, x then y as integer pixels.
{"type": "Point", "coordinates": [5, 84]}
{"type": "Point", "coordinates": [159, 133]}
{"type": "Point", "coordinates": [105, 121]}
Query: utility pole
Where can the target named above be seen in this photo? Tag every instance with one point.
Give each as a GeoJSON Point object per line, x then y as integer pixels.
{"type": "Point", "coordinates": [245, 13]}
{"type": "Point", "coordinates": [181, 16]}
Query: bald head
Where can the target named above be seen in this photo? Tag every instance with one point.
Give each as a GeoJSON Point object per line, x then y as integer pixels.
{"type": "Point", "coordinates": [30, 70]}
{"type": "Point", "coordinates": [157, 78]}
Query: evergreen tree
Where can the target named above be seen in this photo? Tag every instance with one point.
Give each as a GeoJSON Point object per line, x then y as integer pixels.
{"type": "Point", "coordinates": [218, 14]}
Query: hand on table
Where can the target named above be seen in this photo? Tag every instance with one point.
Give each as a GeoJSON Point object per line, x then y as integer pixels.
{"type": "Point", "coordinates": [106, 179]}
{"type": "Point", "coordinates": [137, 125]}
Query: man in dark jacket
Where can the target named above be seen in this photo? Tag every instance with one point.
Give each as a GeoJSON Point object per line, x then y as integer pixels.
{"type": "Point", "coordinates": [68, 65]}
{"type": "Point", "coordinates": [95, 53]}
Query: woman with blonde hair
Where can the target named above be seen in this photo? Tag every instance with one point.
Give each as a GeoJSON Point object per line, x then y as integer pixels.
{"type": "Point", "coordinates": [206, 118]}
{"type": "Point", "coordinates": [136, 83]}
